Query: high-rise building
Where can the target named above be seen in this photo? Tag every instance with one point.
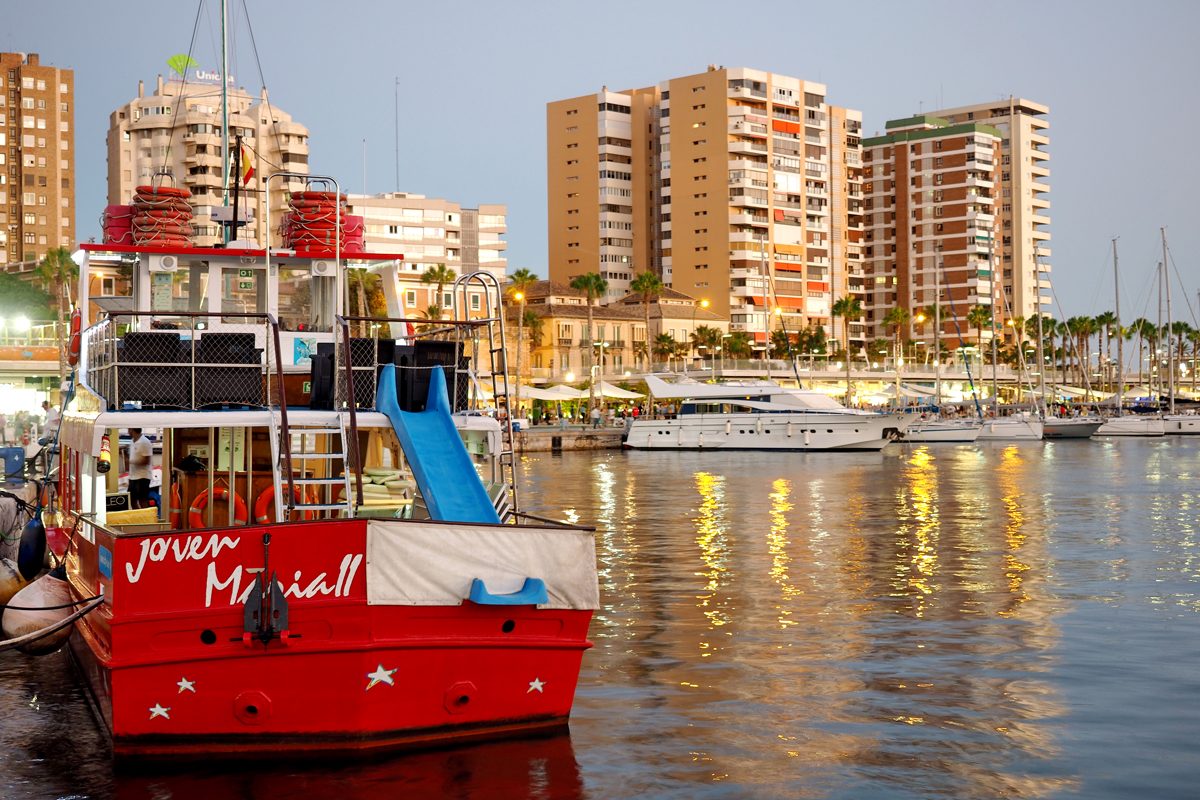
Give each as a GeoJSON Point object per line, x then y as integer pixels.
{"type": "Point", "coordinates": [930, 239]}
{"type": "Point", "coordinates": [178, 130]}
{"type": "Point", "coordinates": [428, 231]}
{"type": "Point", "coordinates": [1022, 203]}
{"type": "Point", "coordinates": [739, 187]}
{"type": "Point", "coordinates": [37, 179]}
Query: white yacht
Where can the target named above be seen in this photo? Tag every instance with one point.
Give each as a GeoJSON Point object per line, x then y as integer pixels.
{"type": "Point", "coordinates": [1021, 427]}
{"type": "Point", "coordinates": [1071, 427]}
{"type": "Point", "coordinates": [1133, 426]}
{"type": "Point", "coordinates": [943, 430]}
{"type": "Point", "coordinates": [759, 415]}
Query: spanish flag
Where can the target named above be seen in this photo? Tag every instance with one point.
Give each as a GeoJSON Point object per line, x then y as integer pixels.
{"type": "Point", "coordinates": [247, 169]}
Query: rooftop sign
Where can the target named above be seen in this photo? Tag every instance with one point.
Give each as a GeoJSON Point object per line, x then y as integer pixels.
{"type": "Point", "coordinates": [183, 66]}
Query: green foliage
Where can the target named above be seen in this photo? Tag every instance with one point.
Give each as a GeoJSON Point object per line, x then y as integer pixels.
{"type": "Point", "coordinates": [739, 345]}
{"type": "Point", "coordinates": [20, 298]}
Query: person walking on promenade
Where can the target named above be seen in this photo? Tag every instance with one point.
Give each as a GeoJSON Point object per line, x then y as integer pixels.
{"type": "Point", "coordinates": [595, 418]}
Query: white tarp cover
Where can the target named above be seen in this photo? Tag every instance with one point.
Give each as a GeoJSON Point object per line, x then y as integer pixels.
{"type": "Point", "coordinates": [421, 564]}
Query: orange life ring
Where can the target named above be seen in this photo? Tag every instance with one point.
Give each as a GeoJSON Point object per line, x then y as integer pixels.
{"type": "Point", "coordinates": [264, 501]}
{"type": "Point", "coordinates": [73, 347]}
{"type": "Point", "coordinates": [196, 520]}
{"type": "Point", "coordinates": [176, 508]}
{"type": "Point", "coordinates": [168, 191]}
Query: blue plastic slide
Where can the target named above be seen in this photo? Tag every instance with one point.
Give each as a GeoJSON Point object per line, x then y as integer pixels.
{"type": "Point", "coordinates": [439, 460]}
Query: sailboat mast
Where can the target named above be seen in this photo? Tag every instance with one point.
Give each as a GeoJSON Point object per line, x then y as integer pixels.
{"type": "Point", "coordinates": [1041, 356]}
{"type": "Point", "coordinates": [937, 331]}
{"type": "Point", "coordinates": [1170, 349]}
{"type": "Point", "coordinates": [1120, 333]}
{"type": "Point", "coordinates": [225, 99]}
{"type": "Point", "coordinates": [992, 306]}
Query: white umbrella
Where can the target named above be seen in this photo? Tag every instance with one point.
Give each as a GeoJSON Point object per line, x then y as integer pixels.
{"type": "Point", "coordinates": [608, 390]}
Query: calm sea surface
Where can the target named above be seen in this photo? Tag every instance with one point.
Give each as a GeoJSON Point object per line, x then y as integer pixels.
{"type": "Point", "coordinates": [975, 621]}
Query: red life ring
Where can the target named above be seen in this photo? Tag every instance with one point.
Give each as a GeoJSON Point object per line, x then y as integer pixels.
{"type": "Point", "coordinates": [73, 347]}
{"type": "Point", "coordinates": [264, 501]}
{"type": "Point", "coordinates": [176, 508]}
{"type": "Point", "coordinates": [196, 520]}
{"type": "Point", "coordinates": [163, 191]}
{"type": "Point", "coordinates": [310, 195]}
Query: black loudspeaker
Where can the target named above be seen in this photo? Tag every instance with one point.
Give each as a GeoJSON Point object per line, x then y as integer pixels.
{"type": "Point", "coordinates": [321, 376]}
{"type": "Point", "coordinates": [414, 369]}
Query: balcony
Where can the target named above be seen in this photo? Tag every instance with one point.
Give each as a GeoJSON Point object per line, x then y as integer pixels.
{"type": "Point", "coordinates": [1039, 188]}
{"type": "Point", "coordinates": [742, 91]}
{"type": "Point", "coordinates": [746, 219]}
{"type": "Point", "coordinates": [743, 201]}
{"type": "Point", "coordinates": [748, 129]}
{"type": "Point", "coordinates": [203, 179]}
{"type": "Point", "coordinates": [747, 147]}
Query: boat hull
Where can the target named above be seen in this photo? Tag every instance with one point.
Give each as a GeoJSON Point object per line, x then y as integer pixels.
{"type": "Point", "coordinates": [1011, 430]}
{"type": "Point", "coordinates": [1070, 428]}
{"type": "Point", "coordinates": [942, 432]}
{"type": "Point", "coordinates": [772, 431]}
{"type": "Point", "coordinates": [1181, 425]}
{"type": "Point", "coordinates": [1133, 426]}
{"type": "Point", "coordinates": [172, 674]}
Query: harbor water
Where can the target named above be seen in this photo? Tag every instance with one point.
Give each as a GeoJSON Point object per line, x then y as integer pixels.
{"type": "Point", "coordinates": [966, 621]}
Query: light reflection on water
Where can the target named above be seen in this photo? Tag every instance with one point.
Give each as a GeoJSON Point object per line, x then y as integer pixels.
{"type": "Point", "coordinates": [930, 621]}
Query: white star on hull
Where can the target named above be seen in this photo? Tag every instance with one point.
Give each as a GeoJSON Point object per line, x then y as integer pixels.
{"type": "Point", "coordinates": [381, 675]}
{"type": "Point", "coordinates": [535, 684]}
{"type": "Point", "coordinates": [159, 711]}
{"type": "Point", "coordinates": [186, 686]}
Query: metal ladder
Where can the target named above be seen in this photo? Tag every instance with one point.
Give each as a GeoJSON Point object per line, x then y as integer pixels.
{"type": "Point", "coordinates": [493, 320]}
{"type": "Point", "coordinates": [327, 502]}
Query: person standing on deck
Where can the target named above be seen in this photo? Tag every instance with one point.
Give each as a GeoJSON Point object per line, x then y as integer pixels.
{"type": "Point", "coordinates": [141, 454]}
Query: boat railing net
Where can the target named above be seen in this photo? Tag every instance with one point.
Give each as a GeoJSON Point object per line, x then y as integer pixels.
{"type": "Point", "coordinates": [183, 361]}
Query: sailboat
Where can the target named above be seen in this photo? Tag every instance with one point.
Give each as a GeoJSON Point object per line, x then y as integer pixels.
{"type": "Point", "coordinates": [1121, 425]}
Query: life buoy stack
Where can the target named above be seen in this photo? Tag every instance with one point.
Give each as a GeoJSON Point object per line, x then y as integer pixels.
{"type": "Point", "coordinates": [312, 223]}
{"type": "Point", "coordinates": [162, 217]}
{"type": "Point", "coordinates": [263, 503]}
{"type": "Point", "coordinates": [74, 342]}
{"type": "Point", "coordinates": [196, 515]}
{"type": "Point", "coordinates": [117, 224]}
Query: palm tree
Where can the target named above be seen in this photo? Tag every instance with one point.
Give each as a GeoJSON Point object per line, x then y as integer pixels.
{"type": "Point", "coordinates": [1105, 322]}
{"type": "Point", "coordinates": [594, 287]}
{"type": "Point", "coordinates": [651, 288]}
{"type": "Point", "coordinates": [979, 317]}
{"type": "Point", "coordinates": [706, 338]}
{"type": "Point", "coordinates": [739, 345]}
{"type": "Point", "coordinates": [431, 312]}
{"type": "Point", "coordinates": [57, 274]}
{"type": "Point", "coordinates": [1180, 330]}
{"type": "Point", "coordinates": [898, 318]}
{"type": "Point", "coordinates": [440, 275]}
{"type": "Point", "coordinates": [1193, 336]}
{"type": "Point", "coordinates": [518, 284]}
{"type": "Point", "coordinates": [780, 344]}
{"type": "Point", "coordinates": [849, 308]}
{"type": "Point", "coordinates": [664, 347]}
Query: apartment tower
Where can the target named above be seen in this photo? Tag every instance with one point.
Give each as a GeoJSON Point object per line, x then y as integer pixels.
{"type": "Point", "coordinates": [739, 187]}
{"type": "Point", "coordinates": [1023, 204]}
{"type": "Point", "coordinates": [177, 130]}
{"type": "Point", "coordinates": [37, 176]}
{"type": "Point", "coordinates": [930, 238]}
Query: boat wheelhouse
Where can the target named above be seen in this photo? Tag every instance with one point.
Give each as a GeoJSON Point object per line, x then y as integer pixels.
{"type": "Point", "coordinates": [336, 560]}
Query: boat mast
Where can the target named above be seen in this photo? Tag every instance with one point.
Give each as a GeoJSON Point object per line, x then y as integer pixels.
{"type": "Point", "coordinates": [1170, 350]}
{"type": "Point", "coordinates": [992, 265]}
{"type": "Point", "coordinates": [1120, 333]}
{"type": "Point", "coordinates": [1041, 355]}
{"type": "Point", "coordinates": [762, 268]}
{"type": "Point", "coordinates": [225, 105]}
{"type": "Point", "coordinates": [937, 331]}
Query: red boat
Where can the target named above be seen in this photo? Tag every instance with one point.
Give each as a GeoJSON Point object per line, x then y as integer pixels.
{"type": "Point", "coordinates": [336, 561]}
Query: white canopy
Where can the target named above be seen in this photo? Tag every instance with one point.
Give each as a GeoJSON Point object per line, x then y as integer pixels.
{"type": "Point", "coordinates": [615, 391]}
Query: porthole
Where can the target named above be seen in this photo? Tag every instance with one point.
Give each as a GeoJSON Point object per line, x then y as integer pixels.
{"type": "Point", "coordinates": [208, 637]}
{"type": "Point", "coordinates": [829, 430]}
